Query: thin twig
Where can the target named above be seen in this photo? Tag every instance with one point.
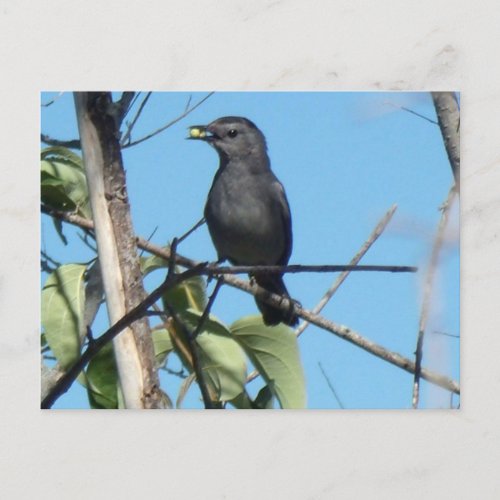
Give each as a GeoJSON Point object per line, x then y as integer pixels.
{"type": "Point", "coordinates": [188, 102]}
{"type": "Point", "coordinates": [120, 108]}
{"type": "Point", "coordinates": [149, 239]}
{"type": "Point", "coordinates": [214, 270]}
{"type": "Point", "coordinates": [48, 258]}
{"type": "Point", "coordinates": [206, 311]}
{"type": "Point", "coordinates": [128, 132]}
{"type": "Point", "coordinates": [52, 101]}
{"type": "Point", "coordinates": [429, 279]}
{"type": "Point", "coordinates": [192, 230]}
{"type": "Point", "coordinates": [408, 110]}
{"type": "Point", "coordinates": [379, 229]}
{"type": "Point", "coordinates": [169, 124]}
{"type": "Point", "coordinates": [446, 334]}
{"type": "Point", "coordinates": [330, 385]}
{"type": "Point", "coordinates": [71, 143]}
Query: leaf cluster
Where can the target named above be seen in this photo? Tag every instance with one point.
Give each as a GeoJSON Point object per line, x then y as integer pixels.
{"type": "Point", "coordinates": [72, 295]}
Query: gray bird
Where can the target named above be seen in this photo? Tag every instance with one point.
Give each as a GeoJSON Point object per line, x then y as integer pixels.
{"type": "Point", "coordinates": [247, 211]}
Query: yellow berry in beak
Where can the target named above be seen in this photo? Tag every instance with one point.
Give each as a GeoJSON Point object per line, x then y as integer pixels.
{"type": "Point", "coordinates": [197, 133]}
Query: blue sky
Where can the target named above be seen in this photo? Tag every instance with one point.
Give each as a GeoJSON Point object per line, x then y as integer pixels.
{"type": "Point", "coordinates": [344, 159]}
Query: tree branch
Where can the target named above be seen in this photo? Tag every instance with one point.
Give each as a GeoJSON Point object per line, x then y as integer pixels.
{"type": "Point", "coordinates": [76, 144]}
{"type": "Point", "coordinates": [408, 110]}
{"type": "Point", "coordinates": [429, 279]}
{"type": "Point", "coordinates": [72, 143]}
{"type": "Point", "coordinates": [330, 385]}
{"type": "Point", "coordinates": [169, 124]}
{"type": "Point", "coordinates": [214, 270]}
{"type": "Point", "coordinates": [379, 229]}
{"type": "Point", "coordinates": [278, 301]}
{"type": "Point", "coordinates": [448, 116]}
{"type": "Point", "coordinates": [128, 132]}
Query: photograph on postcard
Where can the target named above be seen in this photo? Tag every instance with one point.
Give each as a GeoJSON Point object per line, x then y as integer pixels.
{"type": "Point", "coordinates": [250, 250]}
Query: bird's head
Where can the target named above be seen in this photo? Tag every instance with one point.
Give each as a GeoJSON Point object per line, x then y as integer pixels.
{"type": "Point", "coordinates": [231, 136]}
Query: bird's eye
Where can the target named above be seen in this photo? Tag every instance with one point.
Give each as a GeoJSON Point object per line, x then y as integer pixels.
{"type": "Point", "coordinates": [232, 133]}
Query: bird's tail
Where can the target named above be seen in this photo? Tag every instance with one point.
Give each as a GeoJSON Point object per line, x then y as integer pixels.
{"type": "Point", "coordinates": [272, 315]}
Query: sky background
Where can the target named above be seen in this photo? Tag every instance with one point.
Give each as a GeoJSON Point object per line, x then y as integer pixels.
{"type": "Point", "coordinates": [344, 160]}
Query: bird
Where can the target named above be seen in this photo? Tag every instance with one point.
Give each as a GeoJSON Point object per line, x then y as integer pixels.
{"type": "Point", "coordinates": [247, 211]}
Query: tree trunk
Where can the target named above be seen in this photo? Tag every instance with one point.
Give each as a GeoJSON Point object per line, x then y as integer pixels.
{"type": "Point", "coordinates": [116, 245]}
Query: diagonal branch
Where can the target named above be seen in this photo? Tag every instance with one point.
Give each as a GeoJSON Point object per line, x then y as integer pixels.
{"type": "Point", "coordinates": [71, 143]}
{"type": "Point", "coordinates": [128, 132]}
{"type": "Point", "coordinates": [379, 229]}
{"type": "Point", "coordinates": [330, 385]}
{"type": "Point", "coordinates": [126, 143]}
{"type": "Point", "coordinates": [277, 301]}
{"type": "Point", "coordinates": [169, 124]}
{"type": "Point", "coordinates": [429, 278]}
{"type": "Point", "coordinates": [408, 110]}
{"type": "Point", "coordinates": [448, 116]}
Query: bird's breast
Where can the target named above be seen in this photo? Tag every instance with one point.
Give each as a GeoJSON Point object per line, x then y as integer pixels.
{"type": "Point", "coordinates": [243, 222]}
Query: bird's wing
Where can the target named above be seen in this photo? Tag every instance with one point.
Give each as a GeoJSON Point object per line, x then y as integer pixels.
{"type": "Point", "coordinates": [286, 217]}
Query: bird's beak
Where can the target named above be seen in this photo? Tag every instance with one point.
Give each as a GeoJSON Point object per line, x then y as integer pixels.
{"type": "Point", "coordinates": [201, 133]}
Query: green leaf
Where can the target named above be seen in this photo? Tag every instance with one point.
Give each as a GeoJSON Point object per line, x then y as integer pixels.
{"type": "Point", "coordinates": [189, 294]}
{"type": "Point", "coordinates": [63, 178]}
{"type": "Point", "coordinates": [274, 352]}
{"type": "Point", "coordinates": [152, 263]}
{"type": "Point", "coordinates": [64, 153]}
{"type": "Point", "coordinates": [242, 402]}
{"type": "Point", "coordinates": [52, 193]}
{"type": "Point", "coordinates": [94, 293]}
{"type": "Point", "coordinates": [264, 399]}
{"type": "Point", "coordinates": [162, 344]}
{"type": "Point", "coordinates": [102, 379]}
{"type": "Point", "coordinates": [222, 359]}
{"type": "Point", "coordinates": [63, 300]}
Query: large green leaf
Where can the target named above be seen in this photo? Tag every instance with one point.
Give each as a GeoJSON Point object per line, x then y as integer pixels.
{"type": "Point", "coordinates": [274, 352]}
{"type": "Point", "coordinates": [102, 379]}
{"type": "Point", "coordinates": [63, 299]}
{"type": "Point", "coordinates": [63, 178]}
{"type": "Point", "coordinates": [222, 359]}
